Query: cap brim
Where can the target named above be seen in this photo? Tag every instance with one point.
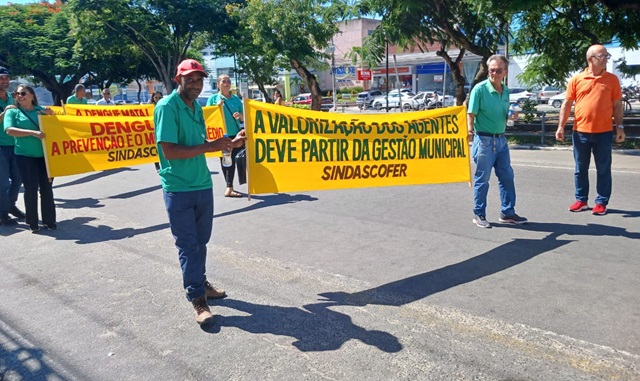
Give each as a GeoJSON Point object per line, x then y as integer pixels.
{"type": "Point", "coordinates": [187, 72]}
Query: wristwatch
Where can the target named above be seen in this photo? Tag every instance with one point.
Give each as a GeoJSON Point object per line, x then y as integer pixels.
{"type": "Point", "coordinates": [620, 126]}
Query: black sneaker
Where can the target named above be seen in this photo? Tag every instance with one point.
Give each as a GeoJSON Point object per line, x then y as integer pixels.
{"type": "Point", "coordinates": [8, 221]}
{"type": "Point", "coordinates": [481, 222]}
{"type": "Point", "coordinates": [34, 228]}
{"type": "Point", "coordinates": [17, 212]}
{"type": "Point", "coordinates": [512, 219]}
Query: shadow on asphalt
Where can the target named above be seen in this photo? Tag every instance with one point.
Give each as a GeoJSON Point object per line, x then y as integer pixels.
{"type": "Point", "coordinates": [94, 176]}
{"type": "Point", "coordinates": [18, 362]}
{"type": "Point", "coordinates": [420, 286]}
{"type": "Point", "coordinates": [558, 229]}
{"type": "Point", "coordinates": [318, 328]}
{"type": "Point", "coordinates": [267, 201]}
{"type": "Point", "coordinates": [78, 230]}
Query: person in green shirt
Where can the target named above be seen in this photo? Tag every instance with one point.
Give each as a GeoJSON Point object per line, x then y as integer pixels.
{"type": "Point", "coordinates": [186, 181]}
{"type": "Point", "coordinates": [486, 122]}
{"type": "Point", "coordinates": [10, 180]}
{"type": "Point", "coordinates": [231, 105]}
{"type": "Point", "coordinates": [21, 122]}
{"type": "Point", "coordinates": [78, 96]}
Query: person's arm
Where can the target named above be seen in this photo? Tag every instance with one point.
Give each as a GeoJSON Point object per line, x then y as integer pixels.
{"type": "Point", "coordinates": [618, 116]}
{"type": "Point", "coordinates": [470, 119]}
{"type": "Point", "coordinates": [174, 151]}
{"type": "Point", "coordinates": [21, 132]}
{"type": "Point", "coordinates": [12, 130]}
{"type": "Point", "coordinates": [565, 110]}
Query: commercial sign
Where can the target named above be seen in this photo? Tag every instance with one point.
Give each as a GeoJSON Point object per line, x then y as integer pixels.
{"type": "Point", "coordinates": [364, 74]}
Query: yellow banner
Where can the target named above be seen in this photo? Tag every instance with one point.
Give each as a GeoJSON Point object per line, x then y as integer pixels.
{"type": "Point", "coordinates": [292, 149]}
{"type": "Point", "coordinates": [109, 111]}
{"type": "Point", "coordinates": [77, 144]}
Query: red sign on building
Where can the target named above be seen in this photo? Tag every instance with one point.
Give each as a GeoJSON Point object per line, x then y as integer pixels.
{"type": "Point", "coordinates": [364, 75]}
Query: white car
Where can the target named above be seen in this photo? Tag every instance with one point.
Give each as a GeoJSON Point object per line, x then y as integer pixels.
{"type": "Point", "coordinates": [519, 95]}
{"type": "Point", "coordinates": [394, 100]}
{"type": "Point", "coordinates": [556, 100]}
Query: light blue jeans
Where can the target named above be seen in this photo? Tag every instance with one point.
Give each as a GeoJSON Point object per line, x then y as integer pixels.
{"type": "Point", "coordinates": [191, 220]}
{"type": "Point", "coordinates": [492, 152]}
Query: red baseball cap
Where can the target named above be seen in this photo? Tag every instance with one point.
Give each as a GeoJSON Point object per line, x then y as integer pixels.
{"type": "Point", "coordinates": [187, 67]}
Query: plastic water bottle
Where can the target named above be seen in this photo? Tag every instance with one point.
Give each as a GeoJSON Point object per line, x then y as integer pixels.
{"type": "Point", "coordinates": [512, 111]}
{"type": "Point", "coordinates": [226, 156]}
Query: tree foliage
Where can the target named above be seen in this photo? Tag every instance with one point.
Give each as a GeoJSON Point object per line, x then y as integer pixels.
{"type": "Point", "coordinates": [466, 24]}
{"type": "Point", "coordinates": [294, 33]}
{"type": "Point", "coordinates": [35, 40]}
{"type": "Point", "coordinates": [163, 30]}
{"type": "Point", "coordinates": [560, 32]}
{"type": "Point", "coordinates": [260, 65]}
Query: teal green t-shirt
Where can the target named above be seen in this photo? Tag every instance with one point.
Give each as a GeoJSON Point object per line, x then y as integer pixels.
{"type": "Point", "coordinates": [233, 105]}
{"type": "Point", "coordinates": [489, 107]}
{"type": "Point", "coordinates": [176, 123]}
{"type": "Point", "coordinates": [6, 140]}
{"type": "Point", "coordinates": [26, 145]}
{"type": "Point", "coordinates": [73, 100]}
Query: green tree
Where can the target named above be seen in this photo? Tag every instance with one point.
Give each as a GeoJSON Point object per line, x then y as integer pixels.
{"type": "Point", "coordinates": [469, 25]}
{"type": "Point", "coordinates": [163, 30]}
{"type": "Point", "coordinates": [257, 63]}
{"type": "Point", "coordinates": [295, 33]}
{"type": "Point", "coordinates": [559, 32]}
{"type": "Point", "coordinates": [35, 40]}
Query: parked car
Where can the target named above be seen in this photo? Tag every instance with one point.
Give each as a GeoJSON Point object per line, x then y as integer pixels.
{"type": "Point", "coordinates": [394, 100]}
{"type": "Point", "coordinates": [556, 100]}
{"type": "Point", "coordinates": [305, 99]}
{"type": "Point", "coordinates": [547, 92]}
{"type": "Point", "coordinates": [302, 99]}
{"type": "Point", "coordinates": [519, 95]}
{"type": "Point", "coordinates": [365, 98]}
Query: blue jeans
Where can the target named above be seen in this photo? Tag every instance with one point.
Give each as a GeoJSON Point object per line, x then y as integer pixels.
{"type": "Point", "coordinates": [489, 152]}
{"type": "Point", "coordinates": [10, 179]}
{"type": "Point", "coordinates": [583, 145]}
{"type": "Point", "coordinates": [191, 220]}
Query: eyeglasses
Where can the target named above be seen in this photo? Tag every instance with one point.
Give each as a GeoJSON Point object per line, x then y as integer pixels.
{"type": "Point", "coordinates": [21, 93]}
{"type": "Point", "coordinates": [496, 71]}
{"type": "Point", "coordinates": [107, 93]}
{"type": "Point", "coordinates": [602, 56]}
{"type": "Point", "coordinates": [225, 81]}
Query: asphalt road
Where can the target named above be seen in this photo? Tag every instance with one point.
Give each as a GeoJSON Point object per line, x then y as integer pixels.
{"type": "Point", "coordinates": [390, 283]}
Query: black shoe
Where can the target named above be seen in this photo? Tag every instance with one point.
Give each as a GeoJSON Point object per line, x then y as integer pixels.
{"type": "Point", "coordinates": [34, 228]}
{"type": "Point", "coordinates": [17, 212]}
{"type": "Point", "coordinates": [51, 226]}
{"type": "Point", "coordinates": [8, 221]}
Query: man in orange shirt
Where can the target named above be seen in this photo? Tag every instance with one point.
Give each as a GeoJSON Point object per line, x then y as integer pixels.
{"type": "Point", "coordinates": [598, 97]}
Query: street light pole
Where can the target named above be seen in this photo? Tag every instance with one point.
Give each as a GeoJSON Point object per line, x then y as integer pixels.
{"type": "Point", "coordinates": [333, 74]}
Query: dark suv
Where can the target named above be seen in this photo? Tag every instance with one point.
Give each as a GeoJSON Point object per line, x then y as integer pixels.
{"type": "Point", "coordinates": [366, 97]}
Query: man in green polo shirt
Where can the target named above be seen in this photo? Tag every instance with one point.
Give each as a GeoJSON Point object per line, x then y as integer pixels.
{"type": "Point", "coordinates": [486, 122]}
{"type": "Point", "coordinates": [10, 180]}
{"type": "Point", "coordinates": [77, 98]}
{"type": "Point", "coordinates": [186, 181]}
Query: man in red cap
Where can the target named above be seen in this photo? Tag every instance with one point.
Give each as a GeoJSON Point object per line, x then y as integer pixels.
{"type": "Point", "coordinates": [186, 181]}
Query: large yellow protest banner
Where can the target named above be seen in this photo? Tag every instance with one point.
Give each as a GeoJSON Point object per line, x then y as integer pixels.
{"type": "Point", "coordinates": [80, 144]}
{"type": "Point", "coordinates": [295, 150]}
